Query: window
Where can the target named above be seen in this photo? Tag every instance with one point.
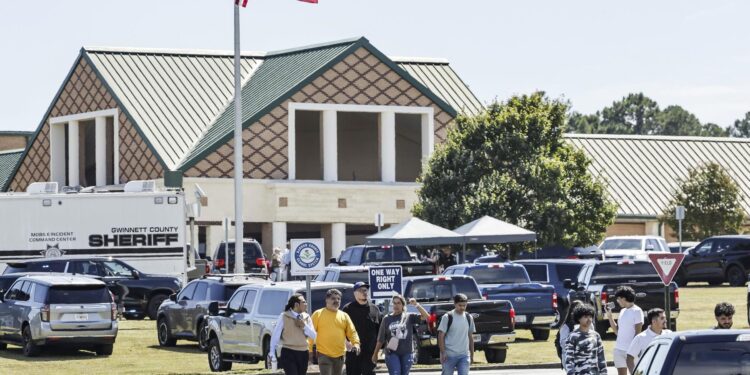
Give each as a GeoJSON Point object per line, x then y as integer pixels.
{"type": "Point", "coordinates": [40, 293]}
{"type": "Point", "coordinates": [318, 297]}
{"type": "Point", "coordinates": [644, 362]}
{"type": "Point", "coordinates": [78, 294]}
{"type": "Point", "coordinates": [86, 267]}
{"type": "Point", "coordinates": [568, 271]}
{"type": "Point", "coordinates": [236, 302]}
{"type": "Point", "coordinates": [732, 357]}
{"type": "Point", "coordinates": [624, 270]}
{"type": "Point", "coordinates": [114, 268]}
{"type": "Point", "coordinates": [430, 290]}
{"type": "Point", "coordinates": [187, 293]}
{"type": "Point", "coordinates": [704, 248]}
{"type": "Point", "coordinates": [272, 302]}
{"type": "Point", "coordinates": [658, 361]}
{"type": "Point", "coordinates": [200, 292]}
{"type": "Point", "coordinates": [621, 244]}
{"type": "Point", "coordinates": [228, 291]}
{"type": "Point", "coordinates": [250, 300]}
{"type": "Point", "coordinates": [537, 272]}
{"type": "Point", "coordinates": [356, 258]}
{"type": "Point", "coordinates": [741, 245]}
{"type": "Point", "coordinates": [353, 277]}
{"type": "Point", "coordinates": [14, 290]}
{"type": "Point", "coordinates": [722, 246]}
{"type": "Point", "coordinates": [387, 254]}
{"type": "Point", "coordinates": [346, 256]}
{"type": "Point", "coordinates": [53, 266]}
{"type": "Point", "coordinates": [501, 275]}
{"type": "Point", "coordinates": [652, 245]}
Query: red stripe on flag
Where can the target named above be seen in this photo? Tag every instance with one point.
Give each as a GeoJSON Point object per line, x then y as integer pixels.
{"type": "Point", "coordinates": [237, 2]}
{"type": "Point", "coordinates": [309, 1]}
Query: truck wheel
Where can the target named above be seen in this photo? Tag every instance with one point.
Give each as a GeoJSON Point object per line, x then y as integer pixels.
{"type": "Point", "coordinates": [104, 349]}
{"type": "Point", "coordinates": [29, 348]}
{"type": "Point", "coordinates": [266, 348]}
{"type": "Point", "coordinates": [540, 334]}
{"type": "Point", "coordinates": [735, 276]}
{"type": "Point", "coordinates": [153, 305]}
{"type": "Point", "coordinates": [203, 336]}
{"type": "Point", "coordinates": [215, 362]}
{"type": "Point", "coordinates": [495, 355]}
{"type": "Point", "coordinates": [163, 334]}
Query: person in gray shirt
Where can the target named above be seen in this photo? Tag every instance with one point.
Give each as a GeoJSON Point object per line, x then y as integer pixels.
{"type": "Point", "coordinates": [455, 338]}
{"type": "Point", "coordinates": [396, 332]}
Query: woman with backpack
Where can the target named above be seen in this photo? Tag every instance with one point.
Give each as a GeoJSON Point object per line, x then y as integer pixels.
{"type": "Point", "coordinates": [395, 335]}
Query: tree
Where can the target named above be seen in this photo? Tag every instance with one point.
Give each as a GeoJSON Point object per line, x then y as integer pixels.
{"type": "Point", "coordinates": [634, 114]}
{"type": "Point", "coordinates": [583, 124]}
{"type": "Point", "coordinates": [741, 127]}
{"type": "Point", "coordinates": [512, 163]}
{"type": "Point", "coordinates": [710, 129]}
{"type": "Point", "coordinates": [675, 120]}
{"type": "Point", "coordinates": [712, 203]}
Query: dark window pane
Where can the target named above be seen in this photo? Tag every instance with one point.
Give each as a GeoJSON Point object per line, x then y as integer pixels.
{"type": "Point", "coordinates": [78, 294]}
{"type": "Point", "coordinates": [229, 290]}
{"type": "Point", "coordinates": [537, 272]}
{"type": "Point", "coordinates": [187, 293]}
{"type": "Point", "coordinates": [236, 302]}
{"type": "Point", "coordinates": [40, 293]}
{"type": "Point", "coordinates": [86, 268]}
{"type": "Point", "coordinates": [353, 277]}
{"type": "Point", "coordinates": [272, 302]}
{"type": "Point", "coordinates": [427, 289]}
{"type": "Point", "coordinates": [318, 297]}
{"type": "Point", "coordinates": [624, 270]}
{"type": "Point", "coordinates": [54, 266]}
{"type": "Point", "coordinates": [499, 275]}
{"type": "Point", "coordinates": [387, 254]}
{"type": "Point", "coordinates": [250, 300]}
{"type": "Point", "coordinates": [568, 271]}
{"type": "Point", "coordinates": [714, 358]}
{"type": "Point", "coordinates": [200, 292]}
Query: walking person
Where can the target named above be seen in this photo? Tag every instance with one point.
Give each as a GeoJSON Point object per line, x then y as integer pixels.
{"type": "Point", "coordinates": [455, 338]}
{"type": "Point", "coordinates": [396, 332]}
{"type": "Point", "coordinates": [724, 312]}
{"type": "Point", "coordinates": [568, 325]}
{"type": "Point", "coordinates": [295, 330]}
{"type": "Point", "coordinates": [366, 318]}
{"type": "Point", "coordinates": [276, 264]}
{"type": "Point", "coordinates": [657, 323]}
{"type": "Point", "coordinates": [584, 351]}
{"type": "Point", "coordinates": [286, 265]}
{"type": "Point", "coordinates": [629, 324]}
{"type": "Point", "coordinates": [333, 328]}
{"type": "Point", "coordinates": [446, 259]}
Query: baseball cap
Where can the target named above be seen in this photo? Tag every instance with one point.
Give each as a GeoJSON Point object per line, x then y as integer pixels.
{"type": "Point", "coordinates": [360, 284]}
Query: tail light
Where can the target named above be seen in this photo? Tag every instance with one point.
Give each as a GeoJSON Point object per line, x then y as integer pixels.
{"type": "Point", "coordinates": [45, 313]}
{"type": "Point", "coordinates": [572, 257]}
{"type": "Point", "coordinates": [431, 322]}
{"type": "Point", "coordinates": [554, 301]}
{"type": "Point", "coordinates": [220, 263]}
{"type": "Point", "coordinates": [676, 296]}
{"type": "Point", "coordinates": [604, 299]}
{"type": "Point", "coordinates": [512, 318]}
{"type": "Point", "coordinates": [113, 311]}
{"type": "Point", "coordinates": [260, 262]}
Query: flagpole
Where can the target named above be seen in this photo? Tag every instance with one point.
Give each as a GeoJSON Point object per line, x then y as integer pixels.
{"type": "Point", "coordinates": [239, 264]}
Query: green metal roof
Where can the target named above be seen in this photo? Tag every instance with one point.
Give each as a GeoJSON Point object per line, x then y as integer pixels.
{"type": "Point", "coordinates": [643, 172]}
{"type": "Point", "coordinates": [8, 162]}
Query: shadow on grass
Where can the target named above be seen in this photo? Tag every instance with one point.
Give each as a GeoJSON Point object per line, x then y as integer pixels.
{"type": "Point", "coordinates": [189, 349]}
{"type": "Point", "coordinates": [48, 354]}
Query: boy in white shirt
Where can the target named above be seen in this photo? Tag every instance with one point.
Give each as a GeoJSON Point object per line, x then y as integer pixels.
{"type": "Point", "coordinates": [657, 323]}
{"type": "Point", "coordinates": [629, 324]}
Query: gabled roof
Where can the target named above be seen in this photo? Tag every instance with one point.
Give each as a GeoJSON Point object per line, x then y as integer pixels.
{"type": "Point", "coordinates": [643, 172]}
{"type": "Point", "coordinates": [181, 99]}
{"type": "Point", "coordinates": [8, 162]}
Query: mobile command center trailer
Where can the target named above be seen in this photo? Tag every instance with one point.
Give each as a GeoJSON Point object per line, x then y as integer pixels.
{"type": "Point", "coordinates": [140, 225]}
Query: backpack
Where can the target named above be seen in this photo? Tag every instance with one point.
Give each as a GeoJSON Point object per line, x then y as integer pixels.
{"type": "Point", "coordinates": [450, 321]}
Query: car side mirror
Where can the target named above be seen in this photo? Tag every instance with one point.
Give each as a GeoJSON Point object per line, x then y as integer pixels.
{"type": "Point", "coordinates": [333, 261]}
{"type": "Point", "coordinates": [173, 297]}
{"type": "Point", "coordinates": [136, 275]}
{"type": "Point", "coordinates": [213, 309]}
{"type": "Point", "coordinates": [569, 284]}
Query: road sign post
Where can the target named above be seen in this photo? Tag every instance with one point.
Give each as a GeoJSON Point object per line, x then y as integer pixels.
{"type": "Point", "coordinates": [666, 265]}
{"type": "Point", "coordinates": [679, 214]}
{"type": "Point", "coordinates": [379, 220]}
{"type": "Point", "coordinates": [307, 260]}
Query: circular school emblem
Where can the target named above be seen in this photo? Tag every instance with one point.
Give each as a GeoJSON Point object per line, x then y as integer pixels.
{"type": "Point", "coordinates": [307, 255]}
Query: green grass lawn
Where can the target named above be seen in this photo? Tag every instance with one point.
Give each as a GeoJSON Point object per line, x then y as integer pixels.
{"type": "Point", "coordinates": [137, 351]}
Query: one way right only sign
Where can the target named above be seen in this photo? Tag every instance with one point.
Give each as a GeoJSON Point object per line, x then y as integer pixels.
{"type": "Point", "coordinates": [666, 265]}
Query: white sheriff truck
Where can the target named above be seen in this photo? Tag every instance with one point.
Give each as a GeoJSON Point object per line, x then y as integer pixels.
{"type": "Point", "coordinates": [136, 223]}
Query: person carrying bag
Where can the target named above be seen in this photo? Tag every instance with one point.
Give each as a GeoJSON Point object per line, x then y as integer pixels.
{"type": "Point", "coordinates": [396, 332]}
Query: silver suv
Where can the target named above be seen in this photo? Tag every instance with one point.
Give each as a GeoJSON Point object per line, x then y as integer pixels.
{"type": "Point", "coordinates": [65, 310]}
{"type": "Point", "coordinates": [241, 331]}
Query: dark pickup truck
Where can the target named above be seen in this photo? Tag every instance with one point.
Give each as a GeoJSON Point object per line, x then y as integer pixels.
{"type": "Point", "coordinates": [535, 304]}
{"type": "Point", "coordinates": [361, 255]}
{"type": "Point", "coordinates": [597, 283]}
{"type": "Point", "coordinates": [494, 320]}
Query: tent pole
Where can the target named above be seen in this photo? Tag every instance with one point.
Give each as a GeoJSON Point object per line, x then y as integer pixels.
{"type": "Point", "coordinates": [463, 254]}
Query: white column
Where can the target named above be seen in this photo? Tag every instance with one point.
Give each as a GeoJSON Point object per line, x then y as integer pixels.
{"type": "Point", "coordinates": [338, 239]}
{"type": "Point", "coordinates": [278, 230]}
{"type": "Point", "coordinates": [101, 151]}
{"type": "Point", "coordinates": [73, 153]}
{"type": "Point", "coordinates": [428, 136]}
{"type": "Point", "coordinates": [57, 153]}
{"type": "Point", "coordinates": [388, 146]}
{"type": "Point", "coordinates": [330, 146]}
{"type": "Point", "coordinates": [652, 228]}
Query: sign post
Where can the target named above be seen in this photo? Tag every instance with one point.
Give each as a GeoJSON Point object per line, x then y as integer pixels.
{"type": "Point", "coordinates": [307, 260]}
{"type": "Point", "coordinates": [679, 214]}
{"type": "Point", "coordinates": [666, 265]}
{"type": "Point", "coordinates": [379, 220]}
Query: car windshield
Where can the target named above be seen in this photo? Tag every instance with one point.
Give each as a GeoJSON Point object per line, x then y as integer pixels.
{"type": "Point", "coordinates": [117, 269]}
{"type": "Point", "coordinates": [442, 290]}
{"type": "Point", "coordinates": [621, 244]}
{"type": "Point", "coordinates": [499, 275]}
{"type": "Point", "coordinates": [353, 277]}
{"type": "Point", "coordinates": [714, 358]}
{"type": "Point", "coordinates": [78, 294]}
{"type": "Point", "coordinates": [251, 251]}
{"type": "Point", "coordinates": [624, 269]}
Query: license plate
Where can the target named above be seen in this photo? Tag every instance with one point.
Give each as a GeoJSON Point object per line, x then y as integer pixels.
{"type": "Point", "coordinates": [520, 318]}
{"type": "Point", "coordinates": [477, 338]}
{"type": "Point", "coordinates": [82, 317]}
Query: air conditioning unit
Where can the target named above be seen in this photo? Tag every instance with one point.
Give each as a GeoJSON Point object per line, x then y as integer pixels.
{"type": "Point", "coordinates": [42, 188]}
{"type": "Point", "coordinates": [140, 186]}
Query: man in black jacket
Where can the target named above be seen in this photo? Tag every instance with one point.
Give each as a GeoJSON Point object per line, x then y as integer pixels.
{"type": "Point", "coordinates": [366, 318]}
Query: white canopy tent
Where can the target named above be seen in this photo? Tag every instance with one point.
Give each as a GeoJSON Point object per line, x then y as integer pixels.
{"type": "Point", "coordinates": [489, 230]}
{"type": "Point", "coordinates": [415, 232]}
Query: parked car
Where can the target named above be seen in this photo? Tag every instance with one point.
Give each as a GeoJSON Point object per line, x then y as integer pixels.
{"type": "Point", "coordinates": [562, 252]}
{"type": "Point", "coordinates": [494, 320]}
{"type": "Point", "coordinates": [183, 315]}
{"type": "Point", "coordinates": [535, 304]}
{"type": "Point", "coordinates": [618, 247]}
{"type": "Point", "coordinates": [716, 260]}
{"type": "Point", "coordinates": [137, 294]}
{"type": "Point", "coordinates": [361, 255]}
{"type": "Point", "coordinates": [675, 247]}
{"type": "Point", "coordinates": [255, 260]}
{"type": "Point", "coordinates": [598, 281]}
{"type": "Point", "coordinates": [554, 272]}
{"type": "Point", "coordinates": [697, 353]}
{"type": "Point", "coordinates": [74, 311]}
{"type": "Point", "coordinates": [241, 332]}
{"type": "Point", "coordinates": [344, 274]}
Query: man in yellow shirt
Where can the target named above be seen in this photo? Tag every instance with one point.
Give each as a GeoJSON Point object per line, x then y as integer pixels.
{"type": "Point", "coordinates": [334, 327]}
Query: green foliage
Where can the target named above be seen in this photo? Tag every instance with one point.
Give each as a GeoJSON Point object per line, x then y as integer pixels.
{"type": "Point", "coordinates": [511, 162]}
{"type": "Point", "coordinates": [741, 127]}
{"type": "Point", "coordinates": [712, 204]}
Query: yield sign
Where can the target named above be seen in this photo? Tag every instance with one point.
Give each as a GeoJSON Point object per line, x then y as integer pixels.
{"type": "Point", "coordinates": [666, 265]}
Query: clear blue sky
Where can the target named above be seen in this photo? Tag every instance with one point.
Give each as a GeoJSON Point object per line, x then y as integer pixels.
{"type": "Point", "coordinates": [691, 53]}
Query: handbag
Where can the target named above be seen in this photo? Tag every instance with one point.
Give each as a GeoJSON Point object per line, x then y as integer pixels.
{"type": "Point", "coordinates": [393, 341]}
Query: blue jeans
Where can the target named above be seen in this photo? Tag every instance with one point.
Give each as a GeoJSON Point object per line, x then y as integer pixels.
{"type": "Point", "coordinates": [460, 363]}
{"type": "Point", "coordinates": [398, 364]}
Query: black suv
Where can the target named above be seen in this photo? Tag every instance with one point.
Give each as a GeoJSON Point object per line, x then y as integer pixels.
{"type": "Point", "coordinates": [716, 260]}
{"type": "Point", "coordinates": [182, 317]}
{"type": "Point", "coordinates": [255, 261]}
{"type": "Point", "coordinates": [137, 294]}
